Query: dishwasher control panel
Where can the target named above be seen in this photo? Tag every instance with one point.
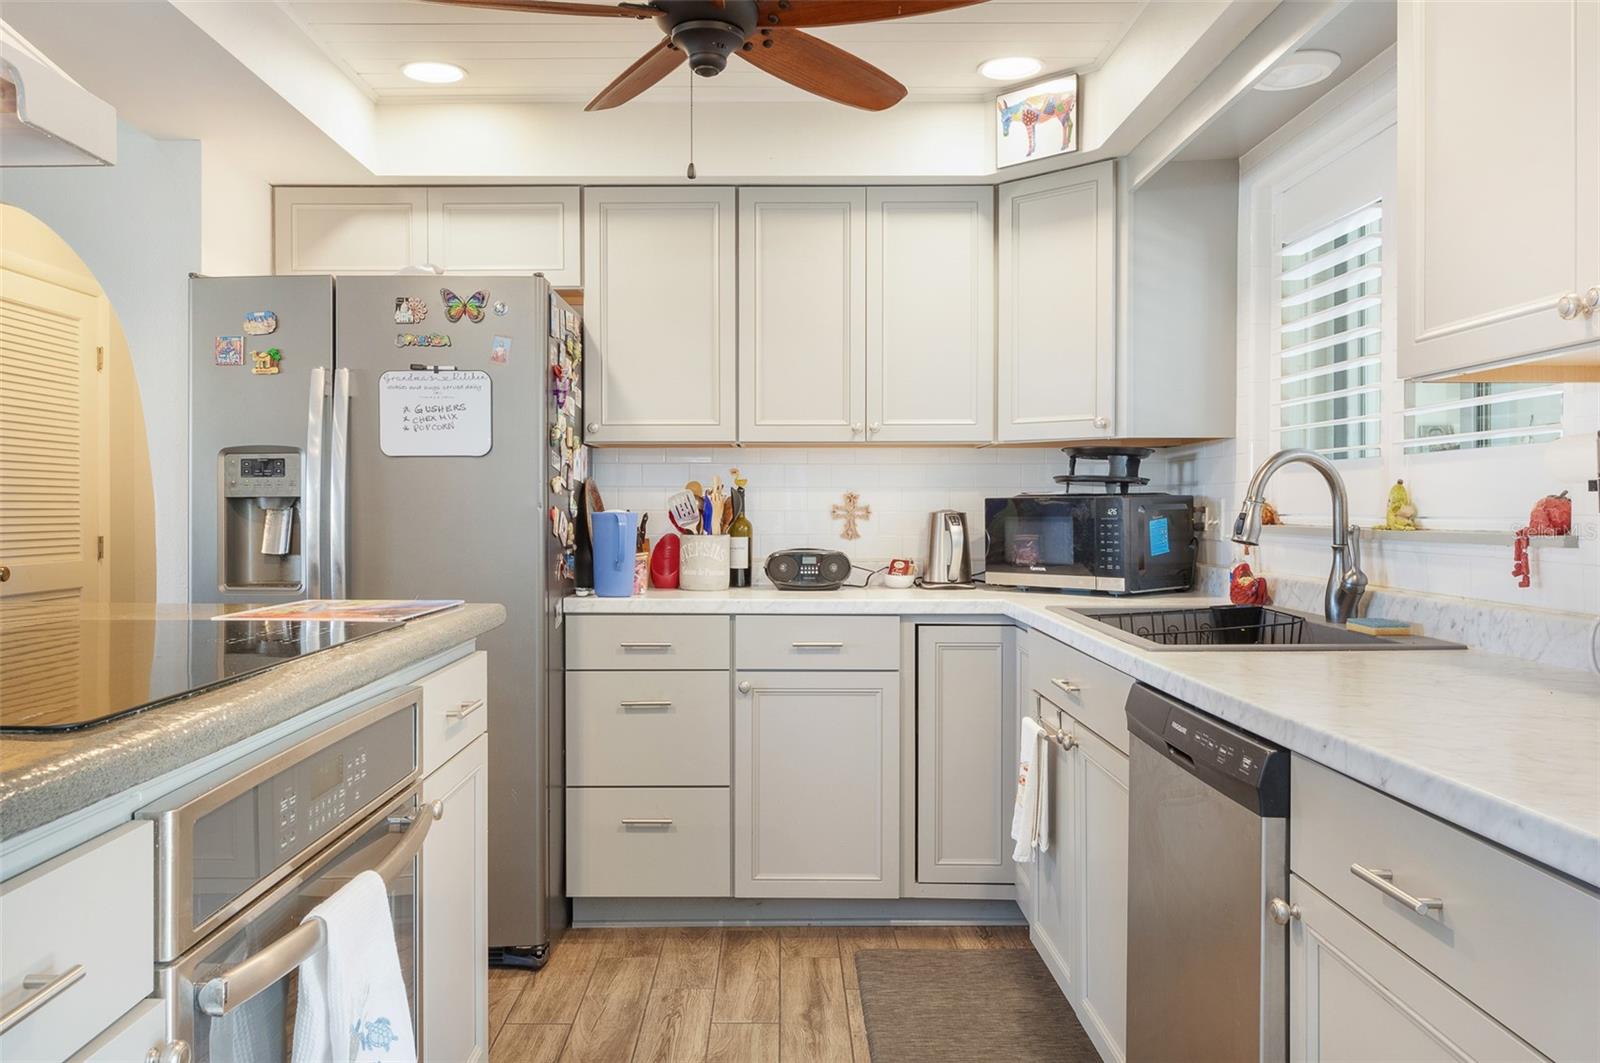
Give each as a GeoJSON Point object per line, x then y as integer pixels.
{"type": "Point", "coordinates": [1247, 769]}
{"type": "Point", "coordinates": [1218, 748]}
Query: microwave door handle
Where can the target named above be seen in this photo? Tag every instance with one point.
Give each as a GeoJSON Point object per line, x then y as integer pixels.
{"type": "Point", "coordinates": [231, 989]}
{"type": "Point", "coordinates": [339, 486]}
{"type": "Point", "coordinates": [311, 507]}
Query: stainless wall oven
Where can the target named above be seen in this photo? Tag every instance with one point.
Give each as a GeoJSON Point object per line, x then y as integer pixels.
{"type": "Point", "coordinates": [1135, 543]}
{"type": "Point", "coordinates": [246, 853]}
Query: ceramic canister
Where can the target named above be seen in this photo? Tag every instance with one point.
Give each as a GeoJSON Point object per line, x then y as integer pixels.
{"type": "Point", "coordinates": [615, 542]}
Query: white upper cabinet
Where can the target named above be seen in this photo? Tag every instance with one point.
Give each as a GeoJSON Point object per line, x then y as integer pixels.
{"type": "Point", "coordinates": [506, 230]}
{"type": "Point", "coordinates": [349, 230]}
{"type": "Point", "coordinates": [467, 229]}
{"type": "Point", "coordinates": [1057, 285]}
{"type": "Point", "coordinates": [930, 315]}
{"type": "Point", "coordinates": [1499, 185]}
{"type": "Point", "coordinates": [802, 315]}
{"type": "Point", "coordinates": [659, 305]}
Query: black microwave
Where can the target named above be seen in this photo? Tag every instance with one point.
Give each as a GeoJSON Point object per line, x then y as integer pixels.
{"type": "Point", "coordinates": [1113, 544]}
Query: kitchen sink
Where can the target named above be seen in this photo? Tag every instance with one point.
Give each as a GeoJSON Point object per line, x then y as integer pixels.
{"type": "Point", "coordinates": [1240, 627]}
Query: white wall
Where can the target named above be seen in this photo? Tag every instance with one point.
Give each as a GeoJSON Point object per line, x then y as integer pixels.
{"type": "Point", "coordinates": [136, 225]}
{"type": "Point", "coordinates": [792, 490]}
{"type": "Point", "coordinates": [235, 215]}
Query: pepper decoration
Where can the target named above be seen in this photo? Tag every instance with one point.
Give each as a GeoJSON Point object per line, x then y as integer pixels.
{"type": "Point", "coordinates": [1552, 515]}
{"type": "Point", "coordinates": [1247, 588]}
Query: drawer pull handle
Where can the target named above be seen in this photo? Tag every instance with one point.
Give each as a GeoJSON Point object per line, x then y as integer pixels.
{"type": "Point", "coordinates": [1066, 686]}
{"type": "Point", "coordinates": [465, 709]}
{"type": "Point", "coordinates": [1383, 880]}
{"type": "Point", "coordinates": [818, 645]}
{"type": "Point", "coordinates": [46, 987]}
{"type": "Point", "coordinates": [646, 704]}
{"type": "Point", "coordinates": [646, 647]}
{"type": "Point", "coordinates": [647, 823]}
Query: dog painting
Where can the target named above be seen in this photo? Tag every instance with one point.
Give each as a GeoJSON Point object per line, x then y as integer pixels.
{"type": "Point", "coordinates": [1022, 112]}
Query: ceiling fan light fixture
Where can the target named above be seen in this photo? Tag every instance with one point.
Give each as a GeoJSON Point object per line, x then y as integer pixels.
{"type": "Point", "coordinates": [1299, 69]}
{"type": "Point", "coordinates": [1011, 68]}
{"type": "Point", "coordinates": [430, 72]}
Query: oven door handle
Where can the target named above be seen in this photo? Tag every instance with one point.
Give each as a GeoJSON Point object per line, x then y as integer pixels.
{"type": "Point", "coordinates": [231, 989]}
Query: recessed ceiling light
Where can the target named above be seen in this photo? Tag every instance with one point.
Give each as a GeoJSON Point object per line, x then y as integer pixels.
{"type": "Point", "coordinates": [1011, 68]}
{"type": "Point", "coordinates": [433, 73]}
{"type": "Point", "coordinates": [1299, 69]}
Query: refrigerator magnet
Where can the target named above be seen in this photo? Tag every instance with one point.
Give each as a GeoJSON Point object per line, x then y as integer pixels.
{"type": "Point", "coordinates": [500, 350]}
{"type": "Point", "coordinates": [409, 311]}
{"type": "Point", "coordinates": [260, 323]}
{"type": "Point", "coordinates": [500, 308]}
{"type": "Point", "coordinates": [265, 363]}
{"type": "Point", "coordinates": [424, 339]}
{"type": "Point", "coordinates": [472, 306]}
{"type": "Point", "coordinates": [228, 350]}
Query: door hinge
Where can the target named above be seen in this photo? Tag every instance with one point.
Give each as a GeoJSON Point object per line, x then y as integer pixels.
{"type": "Point", "coordinates": [99, 359]}
{"type": "Point", "coordinates": [99, 547]}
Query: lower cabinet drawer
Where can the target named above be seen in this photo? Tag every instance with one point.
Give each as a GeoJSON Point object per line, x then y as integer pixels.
{"type": "Point", "coordinates": [648, 729]}
{"type": "Point", "coordinates": [833, 643]}
{"type": "Point", "coordinates": [1517, 940]}
{"type": "Point", "coordinates": [1091, 691]}
{"type": "Point", "coordinates": [647, 841]}
{"type": "Point", "coordinates": [455, 708]}
{"type": "Point", "coordinates": [79, 940]}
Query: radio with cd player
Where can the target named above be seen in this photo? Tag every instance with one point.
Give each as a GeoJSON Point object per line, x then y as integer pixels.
{"type": "Point", "coordinates": [808, 570]}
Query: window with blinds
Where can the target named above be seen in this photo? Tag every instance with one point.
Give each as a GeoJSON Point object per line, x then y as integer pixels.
{"type": "Point", "coordinates": [1464, 416]}
{"type": "Point", "coordinates": [1330, 337]}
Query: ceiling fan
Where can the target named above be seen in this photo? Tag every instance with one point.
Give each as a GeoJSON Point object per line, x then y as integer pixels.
{"type": "Point", "coordinates": [766, 33]}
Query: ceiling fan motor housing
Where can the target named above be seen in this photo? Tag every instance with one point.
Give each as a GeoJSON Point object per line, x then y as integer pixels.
{"type": "Point", "coordinates": [707, 33]}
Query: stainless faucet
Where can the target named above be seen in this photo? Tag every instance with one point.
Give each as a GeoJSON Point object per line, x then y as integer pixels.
{"type": "Point", "coordinates": [1346, 581]}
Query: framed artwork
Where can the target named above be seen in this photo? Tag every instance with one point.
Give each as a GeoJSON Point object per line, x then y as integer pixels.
{"type": "Point", "coordinates": [1036, 121]}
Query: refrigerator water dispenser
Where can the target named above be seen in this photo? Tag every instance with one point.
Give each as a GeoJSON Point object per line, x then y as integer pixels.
{"type": "Point", "coordinates": [260, 519]}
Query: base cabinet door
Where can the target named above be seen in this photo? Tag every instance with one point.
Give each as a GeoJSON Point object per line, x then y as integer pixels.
{"type": "Point", "coordinates": [455, 910]}
{"type": "Point", "coordinates": [817, 784]}
{"type": "Point", "coordinates": [1055, 918]}
{"type": "Point", "coordinates": [966, 753]}
{"type": "Point", "coordinates": [1353, 996]}
{"type": "Point", "coordinates": [1101, 809]}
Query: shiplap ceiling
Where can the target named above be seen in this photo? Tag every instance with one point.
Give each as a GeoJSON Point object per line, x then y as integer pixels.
{"type": "Point", "coordinates": [510, 56]}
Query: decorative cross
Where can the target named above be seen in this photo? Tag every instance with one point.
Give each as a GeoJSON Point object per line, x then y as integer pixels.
{"type": "Point", "coordinates": [851, 512]}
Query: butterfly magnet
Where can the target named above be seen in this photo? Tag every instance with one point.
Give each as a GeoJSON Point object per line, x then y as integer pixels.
{"type": "Point", "coordinates": [472, 306]}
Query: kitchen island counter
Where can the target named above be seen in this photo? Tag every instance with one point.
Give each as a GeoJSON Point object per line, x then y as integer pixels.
{"type": "Point", "coordinates": [48, 778]}
{"type": "Point", "coordinates": [1505, 748]}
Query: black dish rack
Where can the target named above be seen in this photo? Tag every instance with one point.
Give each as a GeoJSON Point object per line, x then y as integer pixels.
{"type": "Point", "coordinates": [1215, 625]}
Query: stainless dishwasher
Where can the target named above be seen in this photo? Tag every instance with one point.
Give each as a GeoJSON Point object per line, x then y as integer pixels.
{"type": "Point", "coordinates": [1207, 856]}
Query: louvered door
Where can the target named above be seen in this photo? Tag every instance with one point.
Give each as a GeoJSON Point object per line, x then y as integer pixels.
{"type": "Point", "coordinates": [52, 439]}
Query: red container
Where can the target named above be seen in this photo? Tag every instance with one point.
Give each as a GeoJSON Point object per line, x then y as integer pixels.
{"type": "Point", "coordinates": [664, 562]}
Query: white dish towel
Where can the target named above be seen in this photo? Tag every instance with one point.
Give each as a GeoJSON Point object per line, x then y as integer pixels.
{"type": "Point", "coordinates": [1030, 822]}
{"type": "Point", "coordinates": [353, 1006]}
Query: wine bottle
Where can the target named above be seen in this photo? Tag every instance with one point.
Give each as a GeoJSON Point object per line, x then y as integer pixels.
{"type": "Point", "coordinates": [739, 542]}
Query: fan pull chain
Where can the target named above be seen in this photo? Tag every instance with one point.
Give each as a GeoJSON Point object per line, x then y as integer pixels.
{"type": "Point", "coordinates": [691, 123]}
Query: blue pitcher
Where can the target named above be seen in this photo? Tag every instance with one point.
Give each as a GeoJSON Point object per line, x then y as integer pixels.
{"type": "Point", "coordinates": [615, 544]}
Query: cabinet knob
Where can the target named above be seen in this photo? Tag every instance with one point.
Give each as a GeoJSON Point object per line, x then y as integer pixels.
{"type": "Point", "coordinates": [1591, 300]}
{"type": "Point", "coordinates": [1569, 306]}
{"type": "Point", "coordinates": [5, 573]}
{"type": "Point", "coordinates": [744, 687]}
{"type": "Point", "coordinates": [874, 427]}
{"type": "Point", "coordinates": [855, 429]}
{"type": "Point", "coordinates": [1101, 422]}
{"type": "Point", "coordinates": [1282, 912]}
{"type": "Point", "coordinates": [591, 428]}
{"type": "Point", "coordinates": [171, 1052]}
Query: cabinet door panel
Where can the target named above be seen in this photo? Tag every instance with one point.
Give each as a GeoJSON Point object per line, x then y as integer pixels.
{"type": "Point", "coordinates": [817, 784]}
{"type": "Point", "coordinates": [1056, 924]}
{"type": "Point", "coordinates": [802, 315]}
{"type": "Point", "coordinates": [1058, 305]}
{"type": "Point", "coordinates": [930, 315]}
{"type": "Point", "coordinates": [1353, 996]}
{"type": "Point", "coordinates": [659, 307]}
{"type": "Point", "coordinates": [966, 753]}
{"type": "Point", "coordinates": [523, 229]}
{"type": "Point", "coordinates": [1102, 892]}
{"type": "Point", "coordinates": [455, 912]}
{"type": "Point", "coordinates": [349, 230]}
{"type": "Point", "coordinates": [1497, 189]}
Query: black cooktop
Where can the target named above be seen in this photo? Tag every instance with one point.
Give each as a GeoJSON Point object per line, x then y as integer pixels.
{"type": "Point", "coordinates": [67, 673]}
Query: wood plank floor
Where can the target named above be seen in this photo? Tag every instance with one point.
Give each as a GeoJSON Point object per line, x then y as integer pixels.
{"type": "Point", "coordinates": [703, 994]}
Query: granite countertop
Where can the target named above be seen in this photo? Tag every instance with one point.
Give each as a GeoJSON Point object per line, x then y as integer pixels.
{"type": "Point", "coordinates": [45, 777]}
{"type": "Point", "coordinates": [1506, 748]}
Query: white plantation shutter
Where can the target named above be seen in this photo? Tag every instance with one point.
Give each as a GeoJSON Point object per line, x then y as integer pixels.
{"type": "Point", "coordinates": [1328, 327]}
{"type": "Point", "coordinates": [1465, 416]}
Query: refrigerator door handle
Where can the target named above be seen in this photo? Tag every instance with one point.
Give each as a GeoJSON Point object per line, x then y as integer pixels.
{"type": "Point", "coordinates": [311, 507]}
{"type": "Point", "coordinates": [338, 488]}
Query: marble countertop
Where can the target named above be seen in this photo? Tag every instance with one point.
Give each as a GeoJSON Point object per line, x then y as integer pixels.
{"type": "Point", "coordinates": [1506, 748]}
{"type": "Point", "coordinates": [46, 777]}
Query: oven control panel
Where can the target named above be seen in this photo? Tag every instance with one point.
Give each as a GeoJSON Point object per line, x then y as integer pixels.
{"type": "Point", "coordinates": [315, 797]}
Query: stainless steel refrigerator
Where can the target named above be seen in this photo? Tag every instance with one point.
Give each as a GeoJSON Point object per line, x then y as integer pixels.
{"type": "Point", "coordinates": [313, 473]}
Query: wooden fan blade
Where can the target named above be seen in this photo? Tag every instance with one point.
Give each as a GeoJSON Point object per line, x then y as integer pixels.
{"type": "Point", "coordinates": [794, 13]}
{"type": "Point", "coordinates": [650, 68]}
{"type": "Point", "coordinates": [551, 7]}
{"type": "Point", "coordinates": [811, 63]}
